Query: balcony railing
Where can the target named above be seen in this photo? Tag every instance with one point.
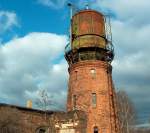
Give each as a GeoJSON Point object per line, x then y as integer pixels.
{"type": "Point", "coordinates": [68, 48]}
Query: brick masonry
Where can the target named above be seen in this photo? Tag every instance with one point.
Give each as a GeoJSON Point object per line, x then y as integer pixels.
{"type": "Point", "coordinates": [82, 84]}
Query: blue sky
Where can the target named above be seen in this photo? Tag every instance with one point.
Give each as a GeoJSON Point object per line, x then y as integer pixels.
{"type": "Point", "coordinates": [32, 16]}
{"type": "Point", "coordinates": [33, 34]}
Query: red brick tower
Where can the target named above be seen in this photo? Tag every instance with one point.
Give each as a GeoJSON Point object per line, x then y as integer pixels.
{"type": "Point", "coordinates": [89, 56]}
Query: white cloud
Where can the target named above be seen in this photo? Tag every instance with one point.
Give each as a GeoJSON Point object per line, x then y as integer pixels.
{"type": "Point", "coordinates": [132, 11]}
{"type": "Point", "coordinates": [7, 20]}
{"type": "Point", "coordinates": [32, 62]}
{"type": "Point", "coordinates": [131, 30]}
{"type": "Point", "coordinates": [56, 4]}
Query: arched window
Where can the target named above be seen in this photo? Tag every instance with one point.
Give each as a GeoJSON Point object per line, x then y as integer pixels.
{"type": "Point", "coordinates": [41, 130]}
{"type": "Point", "coordinates": [95, 129]}
{"type": "Point", "coordinates": [76, 75]}
{"type": "Point", "coordinates": [93, 73]}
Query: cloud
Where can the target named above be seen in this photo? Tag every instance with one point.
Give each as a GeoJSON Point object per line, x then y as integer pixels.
{"type": "Point", "coordinates": [131, 30]}
{"type": "Point", "coordinates": [134, 12]}
{"type": "Point", "coordinates": [55, 4]}
{"type": "Point", "coordinates": [30, 63]}
{"type": "Point", "coordinates": [7, 21]}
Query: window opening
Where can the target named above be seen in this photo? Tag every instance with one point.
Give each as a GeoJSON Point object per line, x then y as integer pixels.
{"type": "Point", "coordinates": [95, 129]}
{"type": "Point", "coordinates": [74, 101]}
{"type": "Point", "coordinates": [76, 75]}
{"type": "Point", "coordinates": [41, 130]}
{"type": "Point", "coordinates": [93, 73]}
{"type": "Point", "coordinates": [94, 99]}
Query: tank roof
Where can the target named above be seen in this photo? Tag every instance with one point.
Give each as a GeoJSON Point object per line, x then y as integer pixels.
{"type": "Point", "coordinates": [87, 10]}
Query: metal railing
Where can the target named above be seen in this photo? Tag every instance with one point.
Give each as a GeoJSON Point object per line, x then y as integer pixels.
{"type": "Point", "coordinates": [68, 48]}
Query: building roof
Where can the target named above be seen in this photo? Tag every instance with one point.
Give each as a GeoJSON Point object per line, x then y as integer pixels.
{"type": "Point", "coordinates": [27, 109]}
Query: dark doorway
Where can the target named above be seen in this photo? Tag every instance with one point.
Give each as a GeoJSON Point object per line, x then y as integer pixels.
{"type": "Point", "coordinates": [95, 129]}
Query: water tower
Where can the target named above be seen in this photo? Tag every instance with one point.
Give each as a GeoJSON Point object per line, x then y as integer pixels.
{"type": "Point", "coordinates": [89, 55]}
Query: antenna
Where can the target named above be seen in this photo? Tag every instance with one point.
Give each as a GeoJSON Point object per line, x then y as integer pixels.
{"type": "Point", "coordinates": [71, 14]}
{"type": "Point", "coordinates": [71, 9]}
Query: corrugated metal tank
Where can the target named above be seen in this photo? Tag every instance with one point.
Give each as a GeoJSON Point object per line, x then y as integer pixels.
{"type": "Point", "coordinates": [88, 29]}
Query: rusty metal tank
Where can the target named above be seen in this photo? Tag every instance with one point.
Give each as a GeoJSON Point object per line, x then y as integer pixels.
{"type": "Point", "coordinates": [88, 29]}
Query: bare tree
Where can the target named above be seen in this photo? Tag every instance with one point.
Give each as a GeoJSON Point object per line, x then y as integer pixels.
{"type": "Point", "coordinates": [126, 112]}
{"type": "Point", "coordinates": [141, 130]}
{"type": "Point", "coordinates": [9, 120]}
{"type": "Point", "coordinates": [44, 101]}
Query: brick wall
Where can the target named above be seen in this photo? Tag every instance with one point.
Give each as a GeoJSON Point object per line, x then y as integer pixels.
{"type": "Point", "coordinates": [31, 120]}
{"type": "Point", "coordinates": [82, 84]}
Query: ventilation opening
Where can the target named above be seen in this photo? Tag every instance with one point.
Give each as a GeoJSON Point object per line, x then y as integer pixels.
{"type": "Point", "coordinates": [95, 129]}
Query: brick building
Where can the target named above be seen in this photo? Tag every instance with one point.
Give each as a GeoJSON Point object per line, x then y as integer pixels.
{"type": "Point", "coordinates": [38, 121]}
{"type": "Point", "coordinates": [91, 99]}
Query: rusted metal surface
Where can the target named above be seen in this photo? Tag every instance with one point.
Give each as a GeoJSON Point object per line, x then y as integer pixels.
{"type": "Point", "coordinates": [88, 22]}
{"type": "Point", "coordinates": [89, 41]}
{"type": "Point", "coordinates": [88, 29]}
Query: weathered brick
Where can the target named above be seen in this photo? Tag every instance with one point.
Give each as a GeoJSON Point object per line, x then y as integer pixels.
{"type": "Point", "coordinates": [83, 85]}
